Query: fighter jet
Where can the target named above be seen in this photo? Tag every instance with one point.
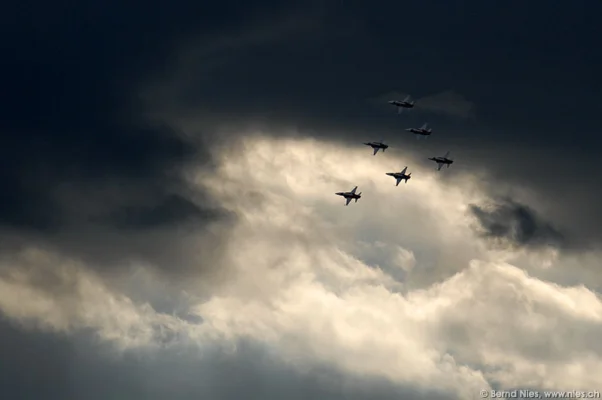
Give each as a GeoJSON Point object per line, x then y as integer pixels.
{"type": "Point", "coordinates": [406, 103]}
{"type": "Point", "coordinates": [399, 176]}
{"type": "Point", "coordinates": [442, 161]}
{"type": "Point", "coordinates": [350, 195]}
{"type": "Point", "coordinates": [377, 146]}
{"type": "Point", "coordinates": [422, 131]}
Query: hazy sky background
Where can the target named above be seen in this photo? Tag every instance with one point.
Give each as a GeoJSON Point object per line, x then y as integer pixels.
{"type": "Point", "coordinates": [168, 223]}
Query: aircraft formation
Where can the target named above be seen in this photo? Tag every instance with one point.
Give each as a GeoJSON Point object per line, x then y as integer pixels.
{"type": "Point", "coordinates": [423, 131]}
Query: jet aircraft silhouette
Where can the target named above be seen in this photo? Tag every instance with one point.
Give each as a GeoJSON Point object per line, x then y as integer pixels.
{"type": "Point", "coordinates": [350, 195]}
{"type": "Point", "coordinates": [399, 176]}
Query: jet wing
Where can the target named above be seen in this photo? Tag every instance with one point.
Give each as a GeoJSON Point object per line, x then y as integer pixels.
{"type": "Point", "coordinates": [375, 151]}
{"type": "Point", "coordinates": [404, 170]}
{"type": "Point", "coordinates": [424, 126]}
{"type": "Point", "coordinates": [353, 190]}
{"type": "Point", "coordinates": [439, 165]}
{"type": "Point", "coordinates": [348, 201]}
{"type": "Point", "coordinates": [446, 154]}
{"type": "Point", "coordinates": [398, 180]}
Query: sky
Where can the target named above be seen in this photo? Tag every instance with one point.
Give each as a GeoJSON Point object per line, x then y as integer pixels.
{"type": "Point", "coordinates": [168, 223]}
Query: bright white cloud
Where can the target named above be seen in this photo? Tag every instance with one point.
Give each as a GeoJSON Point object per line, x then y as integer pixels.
{"type": "Point", "coordinates": [395, 286]}
{"type": "Point", "coordinates": [54, 293]}
{"type": "Point", "coordinates": [368, 325]}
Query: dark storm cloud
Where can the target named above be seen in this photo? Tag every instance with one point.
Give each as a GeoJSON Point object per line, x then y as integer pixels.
{"type": "Point", "coordinates": [525, 74]}
{"type": "Point", "coordinates": [66, 118]}
{"type": "Point", "coordinates": [56, 367]}
{"type": "Point", "coordinates": [83, 171]}
{"type": "Point", "coordinates": [172, 208]}
{"type": "Point", "coordinates": [76, 151]}
{"type": "Point", "coordinates": [516, 224]}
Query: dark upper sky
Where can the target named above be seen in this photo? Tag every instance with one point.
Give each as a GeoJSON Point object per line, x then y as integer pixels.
{"type": "Point", "coordinates": [79, 158]}
{"type": "Point", "coordinates": [72, 75]}
{"type": "Point", "coordinates": [529, 69]}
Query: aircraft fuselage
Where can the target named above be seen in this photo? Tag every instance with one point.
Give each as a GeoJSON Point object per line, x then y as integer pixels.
{"type": "Point", "coordinates": [398, 175]}
{"type": "Point", "coordinates": [442, 160]}
{"type": "Point", "coordinates": [423, 132]}
{"type": "Point", "coordinates": [403, 104]}
{"type": "Point", "coordinates": [349, 195]}
{"type": "Point", "coordinates": [377, 145]}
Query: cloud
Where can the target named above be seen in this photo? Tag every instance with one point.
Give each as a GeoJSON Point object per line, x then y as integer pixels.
{"type": "Point", "coordinates": [60, 296]}
{"type": "Point", "coordinates": [511, 141]}
{"type": "Point", "coordinates": [309, 291]}
{"type": "Point", "coordinates": [341, 328]}
{"type": "Point", "coordinates": [516, 224]}
{"type": "Point", "coordinates": [85, 171]}
{"type": "Point", "coordinates": [152, 240]}
{"type": "Point", "coordinates": [73, 368]}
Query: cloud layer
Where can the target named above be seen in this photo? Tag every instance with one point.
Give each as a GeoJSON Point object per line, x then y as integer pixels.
{"type": "Point", "coordinates": [307, 285]}
{"type": "Point", "coordinates": [168, 223]}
